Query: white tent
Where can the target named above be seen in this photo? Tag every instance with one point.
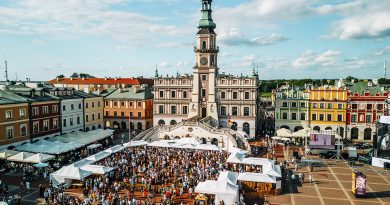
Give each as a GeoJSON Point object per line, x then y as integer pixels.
{"type": "Point", "coordinates": [300, 133]}
{"type": "Point", "coordinates": [39, 158]}
{"type": "Point", "coordinates": [20, 157]}
{"type": "Point", "coordinates": [235, 149]}
{"type": "Point", "coordinates": [136, 143]}
{"type": "Point", "coordinates": [4, 154]}
{"type": "Point", "coordinates": [187, 140]}
{"type": "Point", "coordinates": [98, 156]}
{"type": "Point", "coordinates": [256, 177]}
{"type": "Point", "coordinates": [276, 138]}
{"type": "Point", "coordinates": [72, 172]}
{"type": "Point", "coordinates": [285, 139]}
{"type": "Point", "coordinates": [114, 149]}
{"type": "Point", "coordinates": [207, 147]}
{"type": "Point", "coordinates": [223, 190]}
{"type": "Point", "coordinates": [184, 146]}
{"type": "Point", "coordinates": [237, 157]}
{"type": "Point", "coordinates": [97, 169]}
{"type": "Point", "coordinates": [268, 166]}
{"type": "Point", "coordinates": [94, 146]}
{"type": "Point", "coordinates": [161, 143]}
{"type": "Point", "coordinates": [283, 132]}
{"type": "Point", "coordinates": [83, 162]}
{"type": "Point", "coordinates": [228, 175]}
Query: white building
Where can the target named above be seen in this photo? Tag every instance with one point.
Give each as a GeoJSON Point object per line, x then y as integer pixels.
{"type": "Point", "coordinates": [207, 93]}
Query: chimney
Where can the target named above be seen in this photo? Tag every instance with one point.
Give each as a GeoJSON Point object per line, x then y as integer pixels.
{"type": "Point", "coordinates": [71, 78]}
{"type": "Point", "coordinates": [82, 78]}
{"type": "Point", "coordinates": [136, 88]}
{"type": "Point", "coordinates": [57, 78]}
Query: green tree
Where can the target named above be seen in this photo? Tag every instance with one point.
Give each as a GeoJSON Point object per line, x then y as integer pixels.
{"type": "Point", "coordinates": [61, 76]}
{"type": "Point", "coordinates": [74, 75]}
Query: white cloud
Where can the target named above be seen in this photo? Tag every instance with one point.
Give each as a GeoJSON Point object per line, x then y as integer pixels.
{"type": "Point", "coordinates": [381, 52]}
{"type": "Point", "coordinates": [311, 59]}
{"type": "Point", "coordinates": [234, 37]}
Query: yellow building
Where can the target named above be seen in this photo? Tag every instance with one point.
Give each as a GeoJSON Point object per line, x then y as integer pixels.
{"type": "Point", "coordinates": [93, 111]}
{"type": "Point", "coordinates": [328, 108]}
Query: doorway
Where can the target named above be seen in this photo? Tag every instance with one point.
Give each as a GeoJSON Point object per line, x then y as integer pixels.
{"type": "Point", "coordinates": [204, 112]}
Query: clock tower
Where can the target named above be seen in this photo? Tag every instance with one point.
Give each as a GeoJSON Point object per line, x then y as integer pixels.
{"type": "Point", "coordinates": [203, 103]}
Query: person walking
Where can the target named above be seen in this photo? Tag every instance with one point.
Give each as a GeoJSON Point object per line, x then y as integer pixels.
{"type": "Point", "coordinates": [311, 179]}
{"type": "Point", "coordinates": [28, 186]}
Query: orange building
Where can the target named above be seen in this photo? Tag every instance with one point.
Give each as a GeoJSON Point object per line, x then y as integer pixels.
{"type": "Point", "coordinates": [136, 102]}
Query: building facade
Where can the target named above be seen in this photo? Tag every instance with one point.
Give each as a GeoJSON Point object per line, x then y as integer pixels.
{"type": "Point", "coordinates": [14, 119]}
{"type": "Point", "coordinates": [291, 108]}
{"type": "Point", "coordinates": [367, 103]}
{"type": "Point", "coordinates": [328, 105]}
{"type": "Point", "coordinates": [93, 111]}
{"type": "Point", "coordinates": [134, 103]}
{"type": "Point", "coordinates": [89, 85]}
{"type": "Point", "coordinates": [228, 100]}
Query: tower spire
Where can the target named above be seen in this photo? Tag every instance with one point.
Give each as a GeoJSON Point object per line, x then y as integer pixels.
{"type": "Point", "coordinates": [6, 71]}
{"type": "Point", "coordinates": [206, 22]}
{"type": "Point", "coordinates": [385, 70]}
{"type": "Point", "coordinates": [156, 72]}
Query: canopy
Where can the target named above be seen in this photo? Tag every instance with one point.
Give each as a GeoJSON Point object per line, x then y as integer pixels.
{"type": "Point", "coordinates": [237, 157]}
{"type": "Point", "coordinates": [235, 149]}
{"type": "Point", "coordinates": [207, 147]}
{"type": "Point", "coordinates": [114, 149]}
{"type": "Point", "coordinates": [187, 140]}
{"type": "Point", "coordinates": [268, 166]}
{"type": "Point", "coordinates": [283, 132]}
{"type": "Point", "coordinates": [223, 190]}
{"type": "Point", "coordinates": [49, 147]}
{"type": "Point", "coordinates": [98, 156]}
{"type": "Point", "coordinates": [136, 143]}
{"type": "Point", "coordinates": [97, 169]}
{"type": "Point", "coordinates": [228, 175]}
{"type": "Point", "coordinates": [94, 146]}
{"type": "Point", "coordinates": [83, 162]}
{"type": "Point", "coordinates": [72, 172]}
{"type": "Point", "coordinates": [20, 157]}
{"type": "Point", "coordinates": [300, 133]}
{"type": "Point", "coordinates": [4, 154]}
{"type": "Point", "coordinates": [276, 138]}
{"type": "Point", "coordinates": [161, 143]}
{"type": "Point", "coordinates": [39, 158]}
{"type": "Point", "coordinates": [256, 177]}
{"type": "Point", "coordinates": [184, 146]}
{"type": "Point", "coordinates": [285, 139]}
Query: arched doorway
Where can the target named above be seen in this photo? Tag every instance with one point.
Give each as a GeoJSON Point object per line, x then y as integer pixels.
{"type": "Point", "coordinates": [161, 122]}
{"type": "Point", "coordinates": [99, 126]}
{"type": "Point", "coordinates": [285, 127]}
{"type": "Point", "coordinates": [139, 126]}
{"type": "Point", "coordinates": [367, 134]}
{"type": "Point", "coordinates": [166, 137]}
{"type": "Point", "coordinates": [123, 125]}
{"type": "Point", "coordinates": [214, 141]}
{"type": "Point", "coordinates": [297, 128]}
{"type": "Point", "coordinates": [354, 133]}
{"type": "Point", "coordinates": [328, 128]}
{"type": "Point", "coordinates": [173, 122]}
{"type": "Point", "coordinates": [317, 128]}
{"type": "Point", "coordinates": [234, 126]}
{"type": "Point", "coordinates": [93, 127]}
{"type": "Point", "coordinates": [116, 125]}
{"type": "Point", "coordinates": [204, 112]}
{"type": "Point", "coordinates": [204, 141]}
{"type": "Point", "coordinates": [132, 125]}
{"type": "Point", "coordinates": [342, 132]}
{"type": "Point", "coordinates": [147, 125]}
{"type": "Point", "coordinates": [87, 129]}
{"type": "Point", "coordinates": [245, 128]}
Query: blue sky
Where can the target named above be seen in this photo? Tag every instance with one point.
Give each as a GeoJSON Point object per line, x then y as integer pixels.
{"type": "Point", "coordinates": [120, 38]}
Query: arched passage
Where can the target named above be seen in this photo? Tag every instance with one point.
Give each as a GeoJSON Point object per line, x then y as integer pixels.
{"type": "Point", "coordinates": [204, 141]}
{"type": "Point", "coordinates": [317, 128]}
{"type": "Point", "coordinates": [204, 112]}
{"type": "Point", "coordinates": [246, 128]}
{"type": "Point", "coordinates": [328, 128]}
{"type": "Point", "coordinates": [161, 122]}
{"type": "Point", "coordinates": [354, 133]}
{"type": "Point", "coordinates": [173, 122]}
{"type": "Point", "coordinates": [123, 125]}
{"type": "Point", "coordinates": [367, 134]}
{"type": "Point", "coordinates": [139, 126]}
{"type": "Point", "coordinates": [147, 125]}
{"type": "Point", "coordinates": [214, 141]}
{"type": "Point", "coordinates": [116, 125]}
{"type": "Point", "coordinates": [93, 127]}
{"type": "Point", "coordinates": [285, 127]}
{"type": "Point", "coordinates": [87, 129]}
{"type": "Point", "coordinates": [234, 126]}
{"type": "Point", "coordinates": [297, 128]}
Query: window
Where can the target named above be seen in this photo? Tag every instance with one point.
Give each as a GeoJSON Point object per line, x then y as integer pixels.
{"type": "Point", "coordinates": [10, 132]}
{"type": "Point", "coordinates": [246, 111]}
{"type": "Point", "coordinates": [223, 95]}
{"type": "Point", "coordinates": [203, 92]}
{"type": "Point", "coordinates": [184, 94]}
{"type": "Point", "coordinates": [93, 117]}
{"type": "Point", "coordinates": [330, 106]}
{"type": "Point", "coordinates": [139, 114]}
{"type": "Point", "coordinates": [70, 121]}
{"type": "Point", "coordinates": [353, 118]}
{"type": "Point", "coordinates": [131, 114]}
{"type": "Point", "coordinates": [64, 108]}
{"type": "Point", "coordinates": [106, 103]}
{"type": "Point", "coordinates": [173, 94]}
{"type": "Point", "coordinates": [329, 117]}
{"type": "Point", "coordinates": [339, 106]}
{"type": "Point", "coordinates": [369, 106]}
{"type": "Point", "coordinates": [203, 45]}
{"type": "Point", "coordinates": [122, 114]}
{"type": "Point", "coordinates": [107, 113]}
{"type": "Point", "coordinates": [161, 109]}
{"type": "Point", "coordinates": [23, 130]}
{"type": "Point", "coordinates": [185, 110]}
{"type": "Point", "coordinates": [173, 110]}
{"type": "Point", "coordinates": [247, 95]}
{"type": "Point", "coordinates": [161, 94]}
{"type": "Point", "coordinates": [78, 119]}
{"type": "Point", "coordinates": [314, 105]}
{"type": "Point", "coordinates": [223, 110]}
{"type": "Point", "coordinates": [322, 105]}
{"type": "Point", "coordinates": [340, 117]}
{"type": "Point", "coordinates": [285, 104]}
{"type": "Point", "coordinates": [284, 116]}
{"type": "Point", "coordinates": [55, 108]}
{"type": "Point", "coordinates": [354, 106]}
{"type": "Point", "coordinates": [86, 105]}
{"type": "Point", "coordinates": [8, 114]}
{"type": "Point", "coordinates": [321, 117]}
{"type": "Point", "coordinates": [45, 109]}
{"type": "Point", "coordinates": [122, 104]}
{"type": "Point", "coordinates": [115, 104]}
{"type": "Point", "coordinates": [130, 104]}
{"type": "Point", "coordinates": [98, 103]}
{"type": "Point", "coordinates": [80, 107]}
{"type": "Point", "coordinates": [368, 118]}
{"type": "Point", "coordinates": [234, 111]}
{"type": "Point", "coordinates": [55, 123]}
{"type": "Point", "coordinates": [22, 112]}
{"type": "Point", "coordinates": [303, 104]}
{"type": "Point", "coordinates": [204, 77]}
{"type": "Point", "coordinates": [235, 95]}
{"type": "Point", "coordinates": [86, 118]}
{"type": "Point", "coordinates": [293, 104]}
{"type": "Point", "coordinates": [93, 104]}
{"type": "Point", "coordinates": [294, 116]}
{"type": "Point", "coordinates": [35, 127]}
{"type": "Point", "coordinates": [72, 107]}
{"type": "Point", "coordinates": [139, 104]}
{"type": "Point", "coordinates": [115, 114]}
{"type": "Point", "coordinates": [46, 125]}
{"type": "Point", "coordinates": [98, 115]}
{"type": "Point", "coordinates": [314, 117]}
{"type": "Point", "coordinates": [380, 106]}
{"type": "Point", "coordinates": [303, 116]}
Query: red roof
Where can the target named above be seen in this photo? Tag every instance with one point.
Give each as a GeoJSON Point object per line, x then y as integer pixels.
{"type": "Point", "coordinates": [108, 81]}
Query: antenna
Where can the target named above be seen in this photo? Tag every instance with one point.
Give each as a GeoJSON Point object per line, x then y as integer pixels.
{"type": "Point", "coordinates": [385, 70]}
{"type": "Point", "coordinates": [6, 71]}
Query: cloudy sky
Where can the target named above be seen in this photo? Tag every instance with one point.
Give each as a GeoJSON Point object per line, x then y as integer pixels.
{"type": "Point", "coordinates": [283, 38]}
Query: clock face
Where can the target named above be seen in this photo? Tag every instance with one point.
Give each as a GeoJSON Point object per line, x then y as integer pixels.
{"type": "Point", "coordinates": [203, 61]}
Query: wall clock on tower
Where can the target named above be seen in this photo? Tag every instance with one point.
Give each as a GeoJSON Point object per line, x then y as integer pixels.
{"type": "Point", "coordinates": [203, 61]}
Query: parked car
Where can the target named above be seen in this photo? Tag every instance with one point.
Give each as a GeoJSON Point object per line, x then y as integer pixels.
{"type": "Point", "coordinates": [328, 154]}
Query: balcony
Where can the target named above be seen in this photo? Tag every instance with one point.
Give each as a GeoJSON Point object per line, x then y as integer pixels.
{"type": "Point", "coordinates": [196, 50]}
